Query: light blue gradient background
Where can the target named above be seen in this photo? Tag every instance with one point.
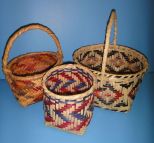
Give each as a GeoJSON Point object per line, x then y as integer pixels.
{"type": "Point", "coordinates": [77, 23]}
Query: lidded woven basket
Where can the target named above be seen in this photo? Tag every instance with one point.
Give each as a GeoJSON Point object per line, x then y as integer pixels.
{"type": "Point", "coordinates": [119, 70]}
{"type": "Point", "coordinates": [68, 100]}
{"type": "Point", "coordinates": [24, 73]}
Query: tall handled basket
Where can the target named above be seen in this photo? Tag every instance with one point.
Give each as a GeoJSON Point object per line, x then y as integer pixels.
{"type": "Point", "coordinates": [119, 70]}
{"type": "Point", "coordinates": [24, 73]}
{"type": "Point", "coordinates": [68, 100]}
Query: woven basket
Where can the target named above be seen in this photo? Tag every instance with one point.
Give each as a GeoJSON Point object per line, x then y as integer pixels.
{"type": "Point", "coordinates": [68, 97]}
{"type": "Point", "coordinates": [120, 73]}
{"type": "Point", "coordinates": [24, 73]}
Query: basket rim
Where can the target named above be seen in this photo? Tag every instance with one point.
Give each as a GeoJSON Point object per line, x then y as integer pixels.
{"type": "Point", "coordinates": [36, 75]}
{"type": "Point", "coordinates": [70, 97]}
{"type": "Point", "coordinates": [146, 65]}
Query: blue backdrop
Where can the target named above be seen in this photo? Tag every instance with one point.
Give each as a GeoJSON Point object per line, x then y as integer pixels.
{"type": "Point", "coordinates": [77, 23]}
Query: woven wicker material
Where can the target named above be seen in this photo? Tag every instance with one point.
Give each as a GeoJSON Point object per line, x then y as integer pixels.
{"type": "Point", "coordinates": [32, 63]}
{"type": "Point", "coordinates": [119, 70]}
{"type": "Point", "coordinates": [24, 73]}
{"type": "Point", "coordinates": [68, 97]}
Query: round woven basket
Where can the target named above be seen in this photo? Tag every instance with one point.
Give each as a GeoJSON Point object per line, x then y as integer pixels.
{"type": "Point", "coordinates": [119, 70]}
{"type": "Point", "coordinates": [24, 73]}
{"type": "Point", "coordinates": [68, 100]}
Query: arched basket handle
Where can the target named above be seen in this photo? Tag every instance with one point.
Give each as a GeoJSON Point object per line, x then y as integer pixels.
{"type": "Point", "coordinates": [22, 30]}
{"type": "Point", "coordinates": [112, 20]}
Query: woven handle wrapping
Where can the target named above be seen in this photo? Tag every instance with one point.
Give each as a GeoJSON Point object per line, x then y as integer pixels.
{"type": "Point", "coordinates": [22, 30]}
{"type": "Point", "coordinates": [112, 19]}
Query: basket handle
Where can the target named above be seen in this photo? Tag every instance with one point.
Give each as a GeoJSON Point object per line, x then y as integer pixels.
{"type": "Point", "coordinates": [112, 19]}
{"type": "Point", "coordinates": [22, 30]}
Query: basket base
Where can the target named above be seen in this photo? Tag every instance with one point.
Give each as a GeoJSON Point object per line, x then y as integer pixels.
{"type": "Point", "coordinates": [25, 102]}
{"type": "Point", "coordinates": [73, 132]}
{"type": "Point", "coordinates": [112, 107]}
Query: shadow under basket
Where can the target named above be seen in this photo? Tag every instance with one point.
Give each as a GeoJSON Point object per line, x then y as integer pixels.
{"type": "Point", "coordinates": [25, 72]}
{"type": "Point", "coordinates": [119, 71]}
{"type": "Point", "coordinates": [68, 100]}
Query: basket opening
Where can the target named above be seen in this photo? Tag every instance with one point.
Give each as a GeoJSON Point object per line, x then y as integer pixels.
{"type": "Point", "coordinates": [118, 61]}
{"type": "Point", "coordinates": [33, 63]}
{"type": "Point", "coordinates": [69, 81]}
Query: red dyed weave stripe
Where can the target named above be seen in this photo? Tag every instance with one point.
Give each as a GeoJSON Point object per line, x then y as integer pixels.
{"type": "Point", "coordinates": [118, 95]}
{"type": "Point", "coordinates": [30, 67]}
{"type": "Point", "coordinates": [87, 79]}
{"type": "Point", "coordinates": [97, 93]}
{"type": "Point", "coordinates": [63, 74]}
{"type": "Point", "coordinates": [27, 82]}
{"type": "Point", "coordinates": [20, 65]}
{"type": "Point", "coordinates": [83, 105]}
{"type": "Point", "coordinates": [83, 123]}
{"type": "Point", "coordinates": [66, 107]}
{"type": "Point", "coordinates": [107, 95]}
{"type": "Point", "coordinates": [132, 92]}
{"type": "Point", "coordinates": [38, 88]}
{"type": "Point", "coordinates": [49, 119]}
{"type": "Point", "coordinates": [75, 89]}
{"type": "Point", "coordinates": [79, 77]}
{"type": "Point", "coordinates": [48, 102]}
{"type": "Point", "coordinates": [64, 90]}
{"type": "Point", "coordinates": [39, 98]}
{"type": "Point", "coordinates": [53, 79]}
{"type": "Point", "coordinates": [89, 83]}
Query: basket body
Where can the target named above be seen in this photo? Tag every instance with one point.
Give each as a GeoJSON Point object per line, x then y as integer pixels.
{"type": "Point", "coordinates": [124, 71]}
{"type": "Point", "coordinates": [28, 89]}
{"type": "Point", "coordinates": [25, 72]}
{"type": "Point", "coordinates": [68, 100]}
